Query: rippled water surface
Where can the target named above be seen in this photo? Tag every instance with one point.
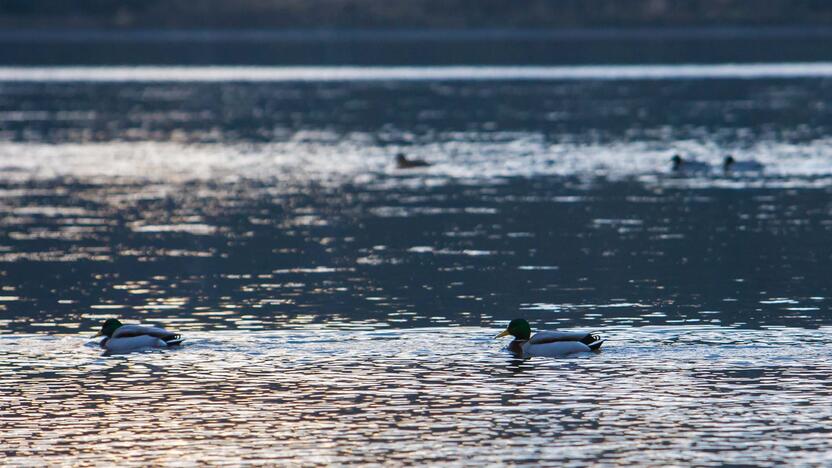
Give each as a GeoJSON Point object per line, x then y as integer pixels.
{"type": "Point", "coordinates": [339, 310]}
{"type": "Point", "coordinates": [657, 394]}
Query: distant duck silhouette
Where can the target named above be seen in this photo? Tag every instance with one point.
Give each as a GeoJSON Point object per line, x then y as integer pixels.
{"type": "Point", "coordinates": [403, 163]}
{"type": "Point", "coordinates": [729, 164]}
{"type": "Point", "coordinates": [684, 166]}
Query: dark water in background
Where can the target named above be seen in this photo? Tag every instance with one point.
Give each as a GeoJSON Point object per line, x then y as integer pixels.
{"type": "Point", "coordinates": [338, 310]}
{"type": "Point", "coordinates": [415, 47]}
{"type": "Point", "coordinates": [280, 199]}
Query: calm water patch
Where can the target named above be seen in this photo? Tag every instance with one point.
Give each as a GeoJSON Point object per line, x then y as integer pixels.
{"type": "Point", "coordinates": [424, 47]}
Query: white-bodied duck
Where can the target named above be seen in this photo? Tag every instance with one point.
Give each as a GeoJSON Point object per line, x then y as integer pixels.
{"type": "Point", "coordinates": [403, 163]}
{"type": "Point", "coordinates": [548, 343]}
{"type": "Point", "coordinates": [731, 165]}
{"type": "Point", "coordinates": [685, 166]}
{"type": "Point", "coordinates": [121, 339]}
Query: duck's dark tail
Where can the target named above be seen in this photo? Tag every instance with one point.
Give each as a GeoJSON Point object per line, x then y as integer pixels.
{"type": "Point", "coordinates": [596, 345]}
{"type": "Point", "coordinates": [593, 341]}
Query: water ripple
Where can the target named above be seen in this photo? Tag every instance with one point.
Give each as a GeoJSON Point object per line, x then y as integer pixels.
{"type": "Point", "coordinates": [333, 304]}
{"type": "Point", "coordinates": [444, 395]}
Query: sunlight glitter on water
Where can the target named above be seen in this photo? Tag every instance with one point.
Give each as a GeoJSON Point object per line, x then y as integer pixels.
{"type": "Point", "coordinates": [472, 160]}
{"type": "Point", "coordinates": [340, 310]}
{"type": "Point", "coordinates": [422, 73]}
{"type": "Point", "coordinates": [381, 396]}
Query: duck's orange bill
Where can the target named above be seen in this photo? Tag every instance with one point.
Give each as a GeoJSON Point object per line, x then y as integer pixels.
{"type": "Point", "coordinates": [504, 333]}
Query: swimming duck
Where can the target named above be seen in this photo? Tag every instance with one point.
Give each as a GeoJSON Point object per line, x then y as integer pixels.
{"type": "Point", "coordinates": [122, 339]}
{"type": "Point", "coordinates": [403, 163]}
{"type": "Point", "coordinates": [548, 343]}
{"type": "Point", "coordinates": [689, 167]}
{"type": "Point", "coordinates": [729, 164]}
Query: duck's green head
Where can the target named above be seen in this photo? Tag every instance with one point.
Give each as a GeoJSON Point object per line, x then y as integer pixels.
{"type": "Point", "coordinates": [518, 328]}
{"type": "Point", "coordinates": [109, 327]}
{"type": "Point", "coordinates": [677, 161]}
{"type": "Point", "coordinates": [726, 163]}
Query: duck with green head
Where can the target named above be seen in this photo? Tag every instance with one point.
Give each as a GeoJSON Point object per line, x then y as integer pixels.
{"type": "Point", "coordinates": [402, 162]}
{"type": "Point", "coordinates": [122, 339]}
{"type": "Point", "coordinates": [732, 166]}
{"type": "Point", "coordinates": [548, 343]}
{"type": "Point", "coordinates": [687, 166]}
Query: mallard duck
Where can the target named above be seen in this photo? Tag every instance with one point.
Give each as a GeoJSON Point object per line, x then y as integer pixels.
{"type": "Point", "coordinates": [683, 166]}
{"type": "Point", "coordinates": [729, 164]}
{"type": "Point", "coordinates": [403, 163]}
{"type": "Point", "coordinates": [548, 343]}
{"type": "Point", "coordinates": [122, 339]}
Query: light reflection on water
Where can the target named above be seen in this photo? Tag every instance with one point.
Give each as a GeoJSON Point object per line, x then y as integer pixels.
{"type": "Point", "coordinates": [223, 74]}
{"type": "Point", "coordinates": [443, 395]}
{"type": "Point", "coordinates": [333, 304]}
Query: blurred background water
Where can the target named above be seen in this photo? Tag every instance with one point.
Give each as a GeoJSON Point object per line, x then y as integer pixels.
{"type": "Point", "coordinates": [339, 310]}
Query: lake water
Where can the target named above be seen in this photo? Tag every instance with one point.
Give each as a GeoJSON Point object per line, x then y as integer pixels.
{"type": "Point", "coordinates": [338, 310]}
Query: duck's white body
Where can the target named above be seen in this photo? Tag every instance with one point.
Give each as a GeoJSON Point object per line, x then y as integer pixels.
{"type": "Point", "coordinates": [556, 343]}
{"type": "Point", "coordinates": [692, 167]}
{"type": "Point", "coordinates": [129, 338]}
{"type": "Point", "coordinates": [745, 166]}
{"type": "Point", "coordinates": [404, 163]}
{"type": "Point", "coordinates": [134, 343]}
